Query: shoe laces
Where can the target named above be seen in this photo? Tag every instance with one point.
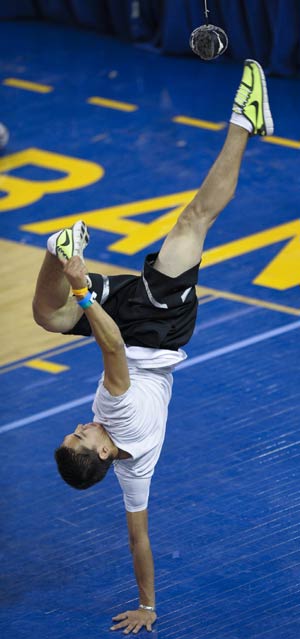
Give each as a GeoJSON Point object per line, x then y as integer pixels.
{"type": "Point", "coordinates": [242, 95]}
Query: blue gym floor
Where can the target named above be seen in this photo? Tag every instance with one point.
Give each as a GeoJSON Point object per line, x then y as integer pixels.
{"type": "Point", "coordinates": [225, 501]}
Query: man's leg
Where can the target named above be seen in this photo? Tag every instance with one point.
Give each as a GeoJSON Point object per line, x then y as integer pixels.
{"type": "Point", "coordinates": [53, 308]}
{"type": "Point", "coordinates": [182, 248]}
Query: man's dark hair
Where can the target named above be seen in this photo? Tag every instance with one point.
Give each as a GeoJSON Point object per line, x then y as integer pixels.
{"type": "Point", "coordinates": [81, 470]}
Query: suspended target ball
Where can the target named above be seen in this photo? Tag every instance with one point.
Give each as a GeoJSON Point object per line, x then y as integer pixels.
{"type": "Point", "coordinates": [208, 41]}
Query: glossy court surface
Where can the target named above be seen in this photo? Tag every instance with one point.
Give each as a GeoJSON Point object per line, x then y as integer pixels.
{"type": "Point", "coordinates": [123, 137]}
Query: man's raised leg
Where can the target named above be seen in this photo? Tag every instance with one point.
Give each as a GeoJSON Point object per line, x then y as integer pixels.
{"type": "Point", "coordinates": [182, 248]}
{"type": "Point", "coordinates": [53, 308]}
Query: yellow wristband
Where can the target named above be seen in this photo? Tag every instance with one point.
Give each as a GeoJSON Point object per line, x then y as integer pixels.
{"type": "Point", "coordinates": [80, 291]}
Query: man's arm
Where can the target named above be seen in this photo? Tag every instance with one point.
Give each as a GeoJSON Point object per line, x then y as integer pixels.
{"type": "Point", "coordinates": [109, 338]}
{"type": "Point", "coordinates": [134, 620]}
{"type": "Point", "coordinates": [106, 333]}
{"type": "Point", "coordinates": [139, 544]}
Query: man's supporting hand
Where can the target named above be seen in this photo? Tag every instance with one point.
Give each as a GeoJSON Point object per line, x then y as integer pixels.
{"type": "Point", "coordinates": [134, 620]}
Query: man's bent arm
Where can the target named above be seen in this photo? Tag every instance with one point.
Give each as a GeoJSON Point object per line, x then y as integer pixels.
{"type": "Point", "coordinates": [108, 337]}
{"type": "Point", "coordinates": [106, 333]}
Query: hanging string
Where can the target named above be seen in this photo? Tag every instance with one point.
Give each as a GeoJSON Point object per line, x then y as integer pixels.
{"type": "Point", "coordinates": [206, 11]}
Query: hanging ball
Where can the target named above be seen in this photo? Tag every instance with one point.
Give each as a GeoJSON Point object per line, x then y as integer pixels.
{"type": "Point", "coordinates": [4, 136]}
{"type": "Point", "coordinates": [208, 41]}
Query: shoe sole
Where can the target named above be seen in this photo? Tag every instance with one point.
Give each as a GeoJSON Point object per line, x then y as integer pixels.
{"type": "Point", "coordinates": [268, 120]}
{"type": "Point", "coordinates": [80, 241]}
{"type": "Point", "coordinates": [80, 238]}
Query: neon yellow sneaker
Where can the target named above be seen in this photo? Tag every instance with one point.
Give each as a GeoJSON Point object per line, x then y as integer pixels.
{"type": "Point", "coordinates": [69, 242]}
{"type": "Point", "coordinates": [251, 109]}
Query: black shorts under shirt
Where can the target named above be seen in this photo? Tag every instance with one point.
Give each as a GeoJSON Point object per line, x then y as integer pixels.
{"type": "Point", "coordinates": [151, 310]}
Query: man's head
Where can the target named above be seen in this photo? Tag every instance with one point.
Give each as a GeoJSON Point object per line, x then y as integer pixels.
{"type": "Point", "coordinates": [85, 455]}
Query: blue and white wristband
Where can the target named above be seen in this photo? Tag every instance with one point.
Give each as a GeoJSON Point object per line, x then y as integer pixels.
{"type": "Point", "coordinates": [88, 300]}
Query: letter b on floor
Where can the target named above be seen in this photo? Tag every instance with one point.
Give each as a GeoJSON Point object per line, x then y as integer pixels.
{"type": "Point", "coordinates": [22, 192]}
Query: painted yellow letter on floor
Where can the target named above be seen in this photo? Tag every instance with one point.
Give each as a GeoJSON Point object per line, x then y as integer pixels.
{"type": "Point", "coordinates": [21, 191]}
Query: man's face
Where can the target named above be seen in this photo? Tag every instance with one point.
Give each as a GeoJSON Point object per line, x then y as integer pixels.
{"type": "Point", "coordinates": [91, 436]}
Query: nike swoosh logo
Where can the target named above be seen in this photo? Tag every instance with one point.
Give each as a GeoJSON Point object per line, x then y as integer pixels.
{"type": "Point", "coordinates": [66, 242]}
{"type": "Point", "coordinates": [256, 106]}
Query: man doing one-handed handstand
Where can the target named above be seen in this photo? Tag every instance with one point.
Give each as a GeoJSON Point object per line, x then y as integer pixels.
{"type": "Point", "coordinates": [140, 324]}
